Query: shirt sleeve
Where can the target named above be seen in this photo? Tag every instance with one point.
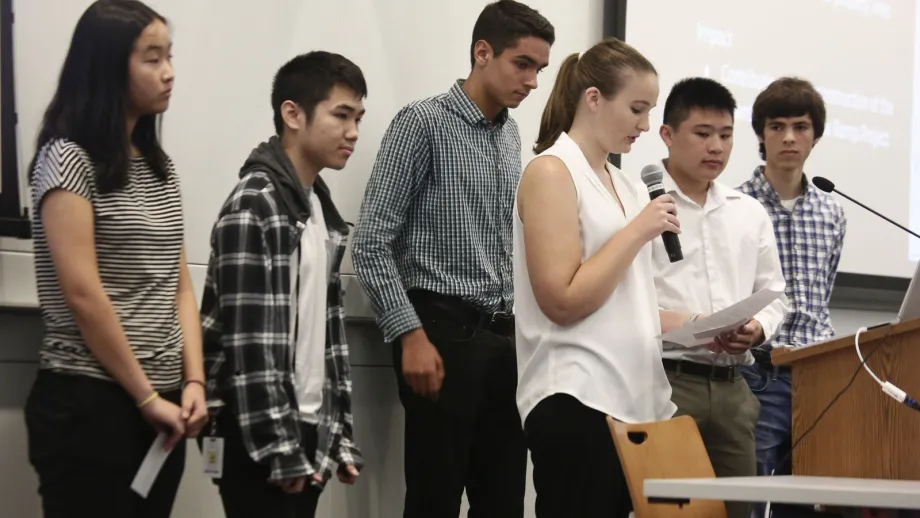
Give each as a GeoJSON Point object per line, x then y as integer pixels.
{"type": "Point", "coordinates": [402, 163]}
{"type": "Point", "coordinates": [347, 452]}
{"type": "Point", "coordinates": [62, 165]}
{"type": "Point", "coordinates": [770, 276]}
{"type": "Point", "coordinates": [835, 253]}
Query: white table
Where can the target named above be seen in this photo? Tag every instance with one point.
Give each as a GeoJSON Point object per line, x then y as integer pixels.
{"type": "Point", "coordinates": [792, 489]}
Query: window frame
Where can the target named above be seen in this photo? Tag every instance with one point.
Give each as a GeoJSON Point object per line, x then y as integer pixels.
{"type": "Point", "coordinates": [615, 26]}
{"type": "Point", "coordinates": [14, 215]}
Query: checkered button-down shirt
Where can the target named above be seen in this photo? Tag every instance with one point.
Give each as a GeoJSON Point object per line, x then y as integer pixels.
{"type": "Point", "coordinates": [437, 210]}
{"type": "Point", "coordinates": [810, 239]}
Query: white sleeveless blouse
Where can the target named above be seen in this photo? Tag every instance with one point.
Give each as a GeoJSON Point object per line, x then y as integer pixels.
{"type": "Point", "coordinates": [610, 360]}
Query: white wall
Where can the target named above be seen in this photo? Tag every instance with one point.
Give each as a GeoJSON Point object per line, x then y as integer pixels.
{"type": "Point", "coordinates": [225, 54]}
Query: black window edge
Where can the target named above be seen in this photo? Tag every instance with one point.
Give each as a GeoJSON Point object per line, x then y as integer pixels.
{"type": "Point", "coordinates": [615, 26]}
{"type": "Point", "coordinates": [14, 216]}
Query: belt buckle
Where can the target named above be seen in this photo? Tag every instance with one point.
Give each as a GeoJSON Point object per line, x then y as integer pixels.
{"type": "Point", "coordinates": [730, 370]}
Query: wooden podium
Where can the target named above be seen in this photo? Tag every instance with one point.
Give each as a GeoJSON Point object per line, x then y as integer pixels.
{"type": "Point", "coordinates": [866, 434]}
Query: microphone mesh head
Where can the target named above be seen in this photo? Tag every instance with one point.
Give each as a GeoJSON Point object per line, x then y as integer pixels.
{"type": "Point", "coordinates": [823, 183]}
{"type": "Point", "coordinates": [651, 174]}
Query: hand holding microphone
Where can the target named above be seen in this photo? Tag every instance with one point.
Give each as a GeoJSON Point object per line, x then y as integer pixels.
{"type": "Point", "coordinates": [660, 216]}
{"type": "Point", "coordinates": [657, 218]}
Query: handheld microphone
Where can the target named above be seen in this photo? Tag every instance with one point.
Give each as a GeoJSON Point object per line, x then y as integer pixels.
{"type": "Point", "coordinates": [651, 176]}
{"type": "Point", "coordinates": [828, 186]}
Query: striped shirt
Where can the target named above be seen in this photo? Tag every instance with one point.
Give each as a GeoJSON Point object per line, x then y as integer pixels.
{"type": "Point", "coordinates": [437, 210]}
{"type": "Point", "coordinates": [138, 232]}
{"type": "Point", "coordinates": [810, 240]}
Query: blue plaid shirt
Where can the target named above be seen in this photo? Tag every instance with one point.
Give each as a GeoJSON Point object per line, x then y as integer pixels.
{"type": "Point", "coordinates": [810, 239]}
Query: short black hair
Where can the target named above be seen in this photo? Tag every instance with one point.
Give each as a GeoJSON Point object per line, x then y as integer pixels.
{"type": "Point", "coordinates": [501, 24]}
{"type": "Point", "coordinates": [700, 93]}
{"type": "Point", "coordinates": [308, 78]}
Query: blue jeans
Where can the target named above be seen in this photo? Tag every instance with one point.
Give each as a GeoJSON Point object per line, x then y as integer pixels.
{"type": "Point", "coordinates": [773, 433]}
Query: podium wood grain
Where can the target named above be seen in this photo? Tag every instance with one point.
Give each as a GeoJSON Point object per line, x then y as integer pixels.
{"type": "Point", "coordinates": [866, 434]}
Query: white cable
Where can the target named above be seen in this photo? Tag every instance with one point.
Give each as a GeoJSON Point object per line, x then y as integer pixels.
{"type": "Point", "coordinates": [893, 391]}
{"type": "Point", "coordinates": [862, 361]}
{"type": "Point", "coordinates": [767, 512]}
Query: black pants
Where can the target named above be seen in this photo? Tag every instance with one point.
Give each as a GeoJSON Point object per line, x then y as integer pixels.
{"type": "Point", "coordinates": [576, 470]}
{"type": "Point", "coordinates": [244, 487]}
{"type": "Point", "coordinates": [471, 436]}
{"type": "Point", "coordinates": [87, 440]}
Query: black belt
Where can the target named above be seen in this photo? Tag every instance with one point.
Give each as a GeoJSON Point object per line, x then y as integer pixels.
{"type": "Point", "coordinates": [429, 303]}
{"type": "Point", "coordinates": [713, 372]}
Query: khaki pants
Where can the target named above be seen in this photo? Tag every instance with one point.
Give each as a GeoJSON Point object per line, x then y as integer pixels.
{"type": "Point", "coordinates": [726, 413]}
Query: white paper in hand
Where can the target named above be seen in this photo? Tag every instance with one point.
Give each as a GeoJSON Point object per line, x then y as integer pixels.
{"type": "Point", "coordinates": [150, 467]}
{"type": "Point", "coordinates": [705, 329]}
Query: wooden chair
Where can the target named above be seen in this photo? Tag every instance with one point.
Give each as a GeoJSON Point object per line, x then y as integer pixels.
{"type": "Point", "coordinates": [664, 449]}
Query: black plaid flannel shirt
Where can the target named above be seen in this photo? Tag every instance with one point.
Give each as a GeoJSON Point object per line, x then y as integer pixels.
{"type": "Point", "coordinates": [246, 320]}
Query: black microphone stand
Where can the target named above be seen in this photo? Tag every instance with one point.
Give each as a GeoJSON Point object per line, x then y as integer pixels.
{"type": "Point", "coordinates": [902, 227]}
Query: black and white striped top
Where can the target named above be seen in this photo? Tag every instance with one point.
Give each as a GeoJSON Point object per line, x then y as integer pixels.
{"type": "Point", "coordinates": [138, 232]}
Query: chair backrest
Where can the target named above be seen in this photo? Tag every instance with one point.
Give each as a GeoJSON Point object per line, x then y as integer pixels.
{"type": "Point", "coordinates": [664, 449]}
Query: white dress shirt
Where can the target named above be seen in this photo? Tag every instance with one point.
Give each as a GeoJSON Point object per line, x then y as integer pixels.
{"type": "Point", "coordinates": [729, 253]}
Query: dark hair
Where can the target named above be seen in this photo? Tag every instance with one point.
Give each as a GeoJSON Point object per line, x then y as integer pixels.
{"type": "Point", "coordinates": [91, 102]}
{"type": "Point", "coordinates": [696, 93]}
{"type": "Point", "coordinates": [501, 24]}
{"type": "Point", "coordinates": [788, 97]}
{"type": "Point", "coordinates": [308, 78]}
{"type": "Point", "coordinates": [603, 66]}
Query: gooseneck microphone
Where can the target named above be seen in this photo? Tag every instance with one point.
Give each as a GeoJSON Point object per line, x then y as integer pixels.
{"type": "Point", "coordinates": [828, 186]}
{"type": "Point", "coordinates": [651, 176]}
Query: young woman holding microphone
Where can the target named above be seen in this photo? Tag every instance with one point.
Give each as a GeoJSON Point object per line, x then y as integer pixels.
{"type": "Point", "coordinates": [586, 311]}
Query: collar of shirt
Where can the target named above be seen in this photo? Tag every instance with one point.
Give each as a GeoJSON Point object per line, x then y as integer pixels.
{"type": "Point", "coordinates": [765, 191]}
{"type": "Point", "coordinates": [469, 111]}
{"type": "Point", "coordinates": [716, 196]}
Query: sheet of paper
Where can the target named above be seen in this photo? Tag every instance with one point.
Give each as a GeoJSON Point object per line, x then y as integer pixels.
{"type": "Point", "coordinates": [705, 329]}
{"type": "Point", "coordinates": [150, 467]}
{"type": "Point", "coordinates": [712, 333]}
